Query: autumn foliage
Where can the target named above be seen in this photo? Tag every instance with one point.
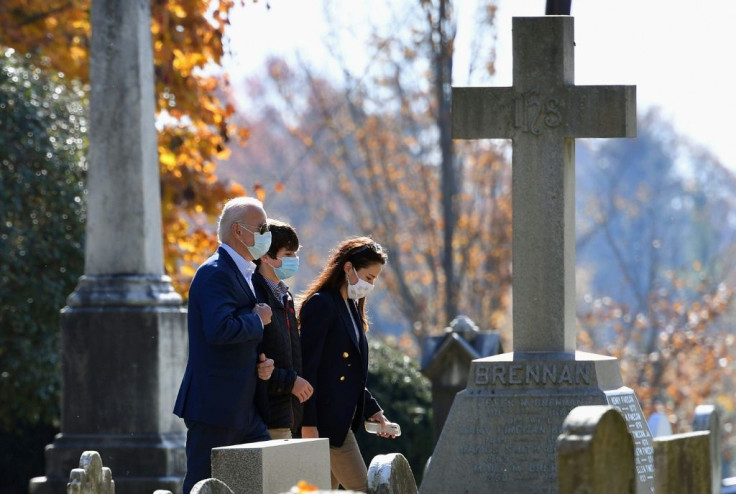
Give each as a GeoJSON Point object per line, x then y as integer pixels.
{"type": "Point", "coordinates": [655, 277]}
{"type": "Point", "coordinates": [193, 104]}
{"type": "Point", "coordinates": [369, 162]}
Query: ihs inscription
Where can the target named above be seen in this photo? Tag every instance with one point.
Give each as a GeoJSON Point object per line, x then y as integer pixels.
{"type": "Point", "coordinates": [533, 113]}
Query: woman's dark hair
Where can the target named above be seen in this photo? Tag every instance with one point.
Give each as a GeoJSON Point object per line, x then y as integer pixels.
{"type": "Point", "coordinates": [361, 252]}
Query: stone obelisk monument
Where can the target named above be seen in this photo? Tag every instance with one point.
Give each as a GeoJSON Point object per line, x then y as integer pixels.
{"type": "Point", "coordinates": [123, 332]}
{"type": "Point", "coordinates": [501, 431]}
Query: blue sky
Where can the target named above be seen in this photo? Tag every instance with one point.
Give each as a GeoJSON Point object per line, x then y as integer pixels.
{"type": "Point", "coordinates": [679, 53]}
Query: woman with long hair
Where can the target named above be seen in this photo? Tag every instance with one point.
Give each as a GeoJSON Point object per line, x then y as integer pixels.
{"type": "Point", "coordinates": [335, 356]}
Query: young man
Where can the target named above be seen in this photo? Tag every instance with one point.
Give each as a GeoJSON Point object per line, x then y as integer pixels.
{"type": "Point", "coordinates": [287, 390]}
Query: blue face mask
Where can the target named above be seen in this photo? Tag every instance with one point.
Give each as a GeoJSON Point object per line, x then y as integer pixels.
{"type": "Point", "coordinates": [261, 244]}
{"type": "Point", "coordinates": [289, 266]}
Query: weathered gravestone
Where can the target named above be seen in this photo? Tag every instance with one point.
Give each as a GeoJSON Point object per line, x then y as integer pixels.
{"type": "Point", "coordinates": [123, 333]}
{"type": "Point", "coordinates": [211, 486]}
{"type": "Point", "coordinates": [391, 474]}
{"type": "Point", "coordinates": [683, 463]}
{"type": "Point", "coordinates": [707, 419]}
{"type": "Point", "coordinates": [595, 452]}
{"type": "Point", "coordinates": [91, 477]}
{"type": "Point", "coordinates": [501, 431]}
{"type": "Point", "coordinates": [446, 361]}
{"type": "Point", "coordinates": [266, 467]}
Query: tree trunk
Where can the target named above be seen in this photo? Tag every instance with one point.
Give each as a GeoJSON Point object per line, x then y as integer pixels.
{"type": "Point", "coordinates": [443, 83]}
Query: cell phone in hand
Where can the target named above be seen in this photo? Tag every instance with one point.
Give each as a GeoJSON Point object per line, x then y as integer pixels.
{"type": "Point", "coordinates": [392, 429]}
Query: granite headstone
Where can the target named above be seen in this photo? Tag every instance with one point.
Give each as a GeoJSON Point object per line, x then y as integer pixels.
{"type": "Point", "coordinates": [595, 452]}
{"type": "Point", "coordinates": [91, 477]}
{"type": "Point", "coordinates": [267, 467]}
{"type": "Point", "coordinates": [683, 463]}
{"type": "Point", "coordinates": [707, 419]}
{"type": "Point", "coordinates": [391, 474]}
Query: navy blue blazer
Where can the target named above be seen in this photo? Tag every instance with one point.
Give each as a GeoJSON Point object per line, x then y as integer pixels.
{"type": "Point", "coordinates": [220, 381]}
{"type": "Point", "coordinates": [335, 363]}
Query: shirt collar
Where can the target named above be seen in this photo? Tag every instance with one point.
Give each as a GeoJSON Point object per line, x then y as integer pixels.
{"type": "Point", "coordinates": [245, 266]}
{"type": "Point", "coordinates": [279, 289]}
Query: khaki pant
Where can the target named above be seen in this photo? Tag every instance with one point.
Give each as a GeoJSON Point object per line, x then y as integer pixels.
{"type": "Point", "coordinates": [347, 466]}
{"type": "Point", "coordinates": [284, 433]}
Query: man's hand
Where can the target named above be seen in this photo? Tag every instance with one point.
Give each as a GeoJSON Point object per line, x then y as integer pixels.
{"type": "Point", "coordinates": [302, 389]}
{"type": "Point", "coordinates": [264, 367]}
{"type": "Point", "coordinates": [264, 312]}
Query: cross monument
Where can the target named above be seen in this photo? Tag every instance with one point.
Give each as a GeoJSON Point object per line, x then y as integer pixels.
{"type": "Point", "coordinates": [502, 429]}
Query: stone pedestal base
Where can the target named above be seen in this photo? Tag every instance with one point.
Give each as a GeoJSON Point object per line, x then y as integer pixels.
{"type": "Point", "coordinates": [501, 433]}
{"type": "Point", "coordinates": [123, 350]}
{"type": "Point", "coordinates": [139, 464]}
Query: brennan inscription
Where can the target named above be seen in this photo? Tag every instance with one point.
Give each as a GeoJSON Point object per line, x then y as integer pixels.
{"type": "Point", "coordinates": [532, 374]}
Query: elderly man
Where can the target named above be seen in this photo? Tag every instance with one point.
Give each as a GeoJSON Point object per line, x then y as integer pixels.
{"type": "Point", "coordinates": [223, 397]}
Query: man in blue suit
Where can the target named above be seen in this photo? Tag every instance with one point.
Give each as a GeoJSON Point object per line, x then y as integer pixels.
{"type": "Point", "coordinates": [223, 398]}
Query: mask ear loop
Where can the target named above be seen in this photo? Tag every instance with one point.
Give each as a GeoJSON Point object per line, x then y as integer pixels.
{"type": "Point", "coordinates": [347, 277]}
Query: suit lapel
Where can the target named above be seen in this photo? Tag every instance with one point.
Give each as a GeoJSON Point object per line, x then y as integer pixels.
{"type": "Point", "coordinates": [347, 321]}
{"type": "Point", "coordinates": [362, 340]}
{"type": "Point", "coordinates": [230, 263]}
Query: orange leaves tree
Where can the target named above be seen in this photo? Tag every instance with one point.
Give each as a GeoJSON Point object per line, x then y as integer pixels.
{"type": "Point", "coordinates": [655, 280]}
{"type": "Point", "coordinates": [374, 153]}
{"type": "Point", "coordinates": [194, 115]}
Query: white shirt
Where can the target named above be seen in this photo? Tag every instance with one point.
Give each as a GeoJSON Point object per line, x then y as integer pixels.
{"type": "Point", "coordinates": [246, 267]}
{"type": "Point", "coordinates": [352, 318]}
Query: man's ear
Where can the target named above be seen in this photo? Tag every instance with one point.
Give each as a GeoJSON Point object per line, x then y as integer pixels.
{"type": "Point", "coordinates": [268, 259]}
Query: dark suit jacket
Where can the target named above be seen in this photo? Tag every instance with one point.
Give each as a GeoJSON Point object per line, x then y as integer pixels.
{"type": "Point", "coordinates": [220, 381]}
{"type": "Point", "coordinates": [281, 343]}
{"type": "Point", "coordinates": [335, 363]}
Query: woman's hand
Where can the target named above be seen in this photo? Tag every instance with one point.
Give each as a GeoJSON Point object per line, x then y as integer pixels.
{"type": "Point", "coordinates": [379, 417]}
{"type": "Point", "coordinates": [309, 432]}
{"type": "Point", "coordinates": [302, 389]}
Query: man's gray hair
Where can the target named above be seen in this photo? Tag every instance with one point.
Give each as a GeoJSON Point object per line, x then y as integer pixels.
{"type": "Point", "coordinates": [233, 211]}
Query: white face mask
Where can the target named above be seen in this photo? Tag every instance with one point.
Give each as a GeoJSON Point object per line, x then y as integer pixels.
{"type": "Point", "coordinates": [261, 244]}
{"type": "Point", "coordinates": [360, 289]}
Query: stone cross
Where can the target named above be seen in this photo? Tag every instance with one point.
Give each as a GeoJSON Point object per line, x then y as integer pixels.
{"type": "Point", "coordinates": [543, 113]}
{"type": "Point", "coordinates": [501, 431]}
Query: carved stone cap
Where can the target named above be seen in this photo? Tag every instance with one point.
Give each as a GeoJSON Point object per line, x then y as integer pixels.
{"type": "Point", "coordinates": [464, 326]}
{"type": "Point", "coordinates": [91, 477]}
{"type": "Point", "coordinates": [124, 290]}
